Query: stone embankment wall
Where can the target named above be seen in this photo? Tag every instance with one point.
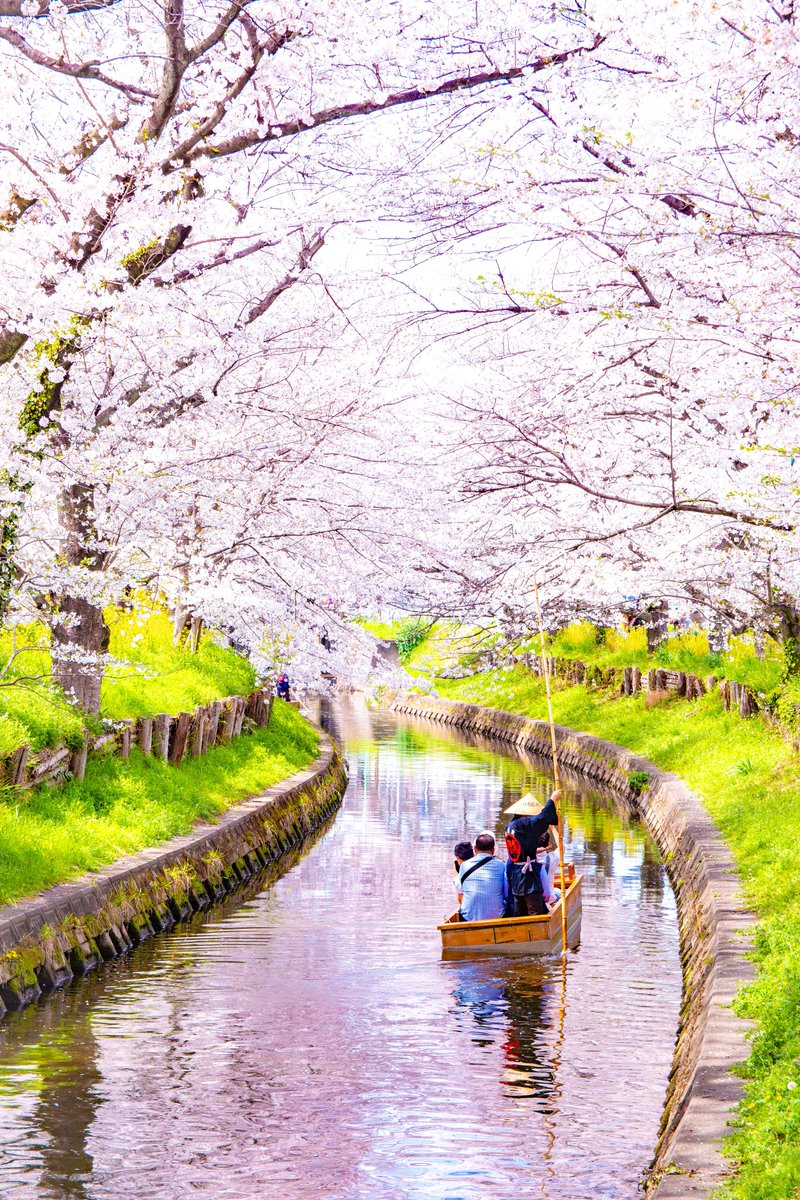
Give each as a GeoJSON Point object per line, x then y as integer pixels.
{"type": "Point", "coordinates": [72, 928]}
{"type": "Point", "coordinates": [713, 922]}
{"type": "Point", "coordinates": [165, 737]}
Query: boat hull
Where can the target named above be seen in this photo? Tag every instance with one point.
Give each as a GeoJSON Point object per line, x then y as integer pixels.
{"type": "Point", "coordinates": [516, 935]}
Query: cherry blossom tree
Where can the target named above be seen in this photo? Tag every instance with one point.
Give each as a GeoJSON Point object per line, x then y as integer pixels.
{"type": "Point", "coordinates": [171, 176]}
{"type": "Point", "coordinates": [630, 420]}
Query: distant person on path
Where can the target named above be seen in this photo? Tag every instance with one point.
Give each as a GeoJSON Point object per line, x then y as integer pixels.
{"type": "Point", "coordinates": [282, 688]}
{"type": "Point", "coordinates": [528, 883]}
{"type": "Point", "coordinates": [482, 884]}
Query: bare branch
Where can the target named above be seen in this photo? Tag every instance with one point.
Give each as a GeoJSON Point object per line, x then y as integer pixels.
{"type": "Point", "coordinates": [220, 260]}
{"type": "Point", "coordinates": [21, 204]}
{"type": "Point", "coordinates": [567, 478]}
{"type": "Point", "coordinates": [736, 29]}
{"type": "Point", "coordinates": [227, 19]}
{"type": "Point", "coordinates": [91, 141]}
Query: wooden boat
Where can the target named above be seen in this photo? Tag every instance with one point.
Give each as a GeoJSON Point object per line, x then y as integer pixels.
{"type": "Point", "coordinates": [517, 935]}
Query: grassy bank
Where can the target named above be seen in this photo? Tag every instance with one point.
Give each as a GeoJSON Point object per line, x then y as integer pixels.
{"type": "Point", "coordinates": [147, 675]}
{"type": "Point", "coordinates": [750, 782]}
{"type": "Point", "coordinates": [447, 648]}
{"type": "Point", "coordinates": [55, 834]}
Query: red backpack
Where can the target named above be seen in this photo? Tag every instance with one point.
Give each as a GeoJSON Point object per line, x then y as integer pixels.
{"type": "Point", "coordinates": [512, 846]}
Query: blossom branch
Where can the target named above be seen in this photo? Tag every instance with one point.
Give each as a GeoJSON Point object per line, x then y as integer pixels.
{"type": "Point", "coordinates": [256, 137]}
{"type": "Point", "coordinates": [75, 70]}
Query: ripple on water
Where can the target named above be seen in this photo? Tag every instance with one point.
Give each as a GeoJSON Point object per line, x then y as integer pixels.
{"type": "Point", "coordinates": [310, 1043]}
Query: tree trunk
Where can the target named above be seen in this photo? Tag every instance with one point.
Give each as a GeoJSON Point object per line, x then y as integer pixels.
{"type": "Point", "coordinates": [80, 634]}
{"type": "Point", "coordinates": [654, 617]}
{"type": "Point", "coordinates": [80, 641]}
{"type": "Point", "coordinates": [717, 637]}
{"type": "Point", "coordinates": [181, 620]}
{"type": "Point", "coordinates": [759, 636]}
{"type": "Point", "coordinates": [196, 630]}
{"type": "Point", "coordinates": [789, 618]}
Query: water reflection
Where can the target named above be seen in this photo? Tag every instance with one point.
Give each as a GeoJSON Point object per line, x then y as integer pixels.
{"type": "Point", "coordinates": [512, 1009]}
{"type": "Point", "coordinates": [308, 1041]}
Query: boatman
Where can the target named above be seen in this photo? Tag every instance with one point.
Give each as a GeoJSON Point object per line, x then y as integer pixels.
{"type": "Point", "coordinates": [528, 884]}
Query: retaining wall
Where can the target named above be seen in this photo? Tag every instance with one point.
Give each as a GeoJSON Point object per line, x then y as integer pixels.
{"type": "Point", "coordinates": [72, 928]}
{"type": "Point", "coordinates": [714, 927]}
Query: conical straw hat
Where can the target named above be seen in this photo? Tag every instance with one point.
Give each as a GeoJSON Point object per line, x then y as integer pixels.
{"type": "Point", "coordinates": [526, 806]}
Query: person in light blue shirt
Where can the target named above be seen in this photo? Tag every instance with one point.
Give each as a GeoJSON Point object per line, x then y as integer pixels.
{"type": "Point", "coordinates": [482, 883]}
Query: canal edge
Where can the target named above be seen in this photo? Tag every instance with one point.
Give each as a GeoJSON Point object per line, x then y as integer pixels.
{"type": "Point", "coordinates": [715, 929]}
{"type": "Point", "coordinates": [68, 930]}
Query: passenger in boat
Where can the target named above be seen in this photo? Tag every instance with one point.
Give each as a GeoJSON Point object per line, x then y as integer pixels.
{"type": "Point", "coordinates": [482, 884]}
{"type": "Point", "coordinates": [528, 883]}
{"type": "Point", "coordinates": [548, 857]}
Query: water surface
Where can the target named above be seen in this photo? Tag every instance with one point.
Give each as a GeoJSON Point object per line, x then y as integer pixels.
{"type": "Point", "coordinates": [307, 1041]}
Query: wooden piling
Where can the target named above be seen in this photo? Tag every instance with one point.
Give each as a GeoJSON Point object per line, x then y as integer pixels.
{"type": "Point", "coordinates": [212, 725]}
{"type": "Point", "coordinates": [197, 731]}
{"type": "Point", "coordinates": [162, 724]}
{"type": "Point", "coordinates": [124, 740]}
{"type": "Point", "coordinates": [180, 733]}
{"type": "Point", "coordinates": [144, 734]}
{"type": "Point", "coordinates": [77, 764]}
{"type": "Point", "coordinates": [228, 720]}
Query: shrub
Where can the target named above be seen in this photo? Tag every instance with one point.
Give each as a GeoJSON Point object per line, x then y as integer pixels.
{"type": "Point", "coordinates": [410, 635]}
{"type": "Point", "coordinates": [638, 781]}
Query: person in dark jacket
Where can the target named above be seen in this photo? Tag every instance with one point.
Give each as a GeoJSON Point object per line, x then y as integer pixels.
{"type": "Point", "coordinates": [528, 885]}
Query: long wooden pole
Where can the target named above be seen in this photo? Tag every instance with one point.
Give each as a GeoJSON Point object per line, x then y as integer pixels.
{"type": "Point", "coordinates": [546, 673]}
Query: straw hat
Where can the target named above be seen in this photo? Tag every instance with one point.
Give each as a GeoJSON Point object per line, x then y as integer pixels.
{"type": "Point", "coordinates": [526, 806]}
{"type": "Point", "coordinates": [529, 806]}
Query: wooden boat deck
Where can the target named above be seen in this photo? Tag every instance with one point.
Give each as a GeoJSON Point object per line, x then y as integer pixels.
{"type": "Point", "coordinates": [517, 935]}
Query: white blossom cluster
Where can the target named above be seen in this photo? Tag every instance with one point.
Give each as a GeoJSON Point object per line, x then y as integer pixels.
{"type": "Point", "coordinates": [312, 308]}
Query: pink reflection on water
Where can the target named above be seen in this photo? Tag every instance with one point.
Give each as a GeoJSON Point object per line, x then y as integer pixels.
{"type": "Point", "coordinates": [310, 1043]}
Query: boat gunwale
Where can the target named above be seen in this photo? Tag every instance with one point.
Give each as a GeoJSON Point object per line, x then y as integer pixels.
{"type": "Point", "coordinates": [507, 922]}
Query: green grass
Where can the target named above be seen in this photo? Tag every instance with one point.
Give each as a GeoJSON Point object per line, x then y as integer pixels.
{"type": "Point", "coordinates": [54, 834]}
{"type": "Point", "coordinates": [31, 710]}
{"type": "Point", "coordinates": [156, 676]}
{"type": "Point", "coordinates": [749, 780]}
{"type": "Point", "coordinates": [687, 651]}
{"type": "Point", "coordinates": [150, 676]}
{"type": "Point", "coordinates": [385, 630]}
{"type": "Point", "coordinates": [452, 648]}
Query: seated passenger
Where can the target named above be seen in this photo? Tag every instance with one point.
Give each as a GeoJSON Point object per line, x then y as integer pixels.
{"type": "Point", "coordinates": [482, 885]}
{"type": "Point", "coordinates": [547, 856]}
{"type": "Point", "coordinates": [528, 884]}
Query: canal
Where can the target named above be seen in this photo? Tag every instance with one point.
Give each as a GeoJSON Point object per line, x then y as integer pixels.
{"type": "Point", "coordinates": [307, 1042]}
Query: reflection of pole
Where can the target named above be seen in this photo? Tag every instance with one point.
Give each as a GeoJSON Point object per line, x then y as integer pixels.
{"type": "Point", "coordinates": [546, 671]}
{"type": "Point", "coordinates": [551, 1122]}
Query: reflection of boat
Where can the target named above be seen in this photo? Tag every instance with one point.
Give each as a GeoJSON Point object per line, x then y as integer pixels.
{"type": "Point", "coordinates": [518, 935]}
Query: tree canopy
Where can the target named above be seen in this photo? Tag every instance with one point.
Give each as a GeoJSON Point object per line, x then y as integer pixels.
{"type": "Point", "coordinates": [312, 308]}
